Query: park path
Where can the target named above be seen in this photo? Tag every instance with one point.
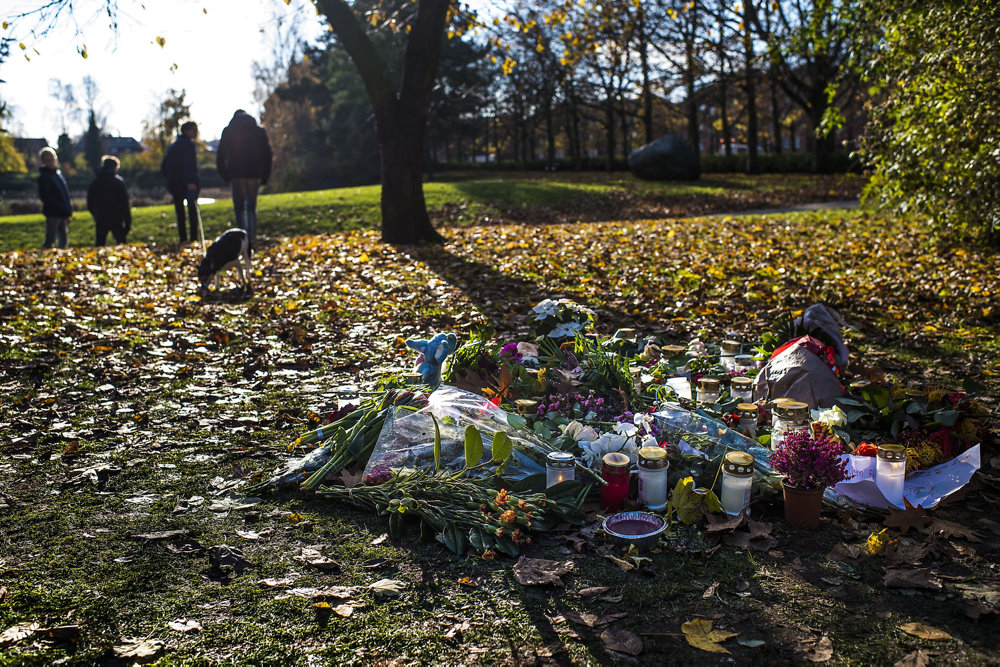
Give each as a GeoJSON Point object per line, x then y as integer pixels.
{"type": "Point", "coordinates": [815, 206]}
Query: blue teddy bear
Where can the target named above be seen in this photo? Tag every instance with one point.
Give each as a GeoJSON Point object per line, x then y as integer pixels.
{"type": "Point", "coordinates": [432, 355]}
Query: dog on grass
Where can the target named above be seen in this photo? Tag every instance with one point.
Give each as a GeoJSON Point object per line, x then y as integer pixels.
{"type": "Point", "coordinates": [230, 250]}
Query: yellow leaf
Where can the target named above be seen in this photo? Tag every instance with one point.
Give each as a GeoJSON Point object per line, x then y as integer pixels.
{"type": "Point", "coordinates": [364, 258]}
{"type": "Point", "coordinates": [699, 633]}
{"type": "Point", "coordinates": [877, 542]}
{"type": "Point", "coordinates": [924, 631]}
{"type": "Point", "coordinates": [161, 41]}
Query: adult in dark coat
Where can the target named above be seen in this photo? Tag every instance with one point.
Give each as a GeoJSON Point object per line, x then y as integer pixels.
{"type": "Point", "coordinates": [107, 201]}
{"type": "Point", "coordinates": [56, 203]}
{"type": "Point", "coordinates": [180, 168]}
{"type": "Point", "coordinates": [243, 159]}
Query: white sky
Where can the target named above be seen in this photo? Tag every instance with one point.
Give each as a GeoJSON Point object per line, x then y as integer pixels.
{"type": "Point", "coordinates": [213, 50]}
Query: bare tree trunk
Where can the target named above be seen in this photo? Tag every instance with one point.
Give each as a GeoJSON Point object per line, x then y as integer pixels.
{"type": "Point", "coordinates": [775, 114]}
{"type": "Point", "coordinates": [750, 88]}
{"type": "Point", "coordinates": [727, 130]}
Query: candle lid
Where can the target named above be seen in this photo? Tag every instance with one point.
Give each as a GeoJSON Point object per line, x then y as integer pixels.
{"type": "Point", "coordinates": [741, 382]}
{"type": "Point", "coordinates": [793, 410]}
{"type": "Point", "coordinates": [778, 402]}
{"type": "Point", "coordinates": [731, 346]}
{"type": "Point", "coordinates": [674, 350]}
{"type": "Point", "coordinates": [616, 460]}
{"type": "Point", "coordinates": [860, 384]}
{"type": "Point", "coordinates": [526, 406]}
{"type": "Point", "coordinates": [559, 460]}
{"type": "Point", "coordinates": [413, 378]}
{"type": "Point", "coordinates": [653, 457]}
{"type": "Point", "coordinates": [889, 452]}
{"type": "Point", "coordinates": [732, 335]}
{"type": "Point", "coordinates": [750, 409]}
{"type": "Point", "coordinates": [739, 464]}
{"type": "Point", "coordinates": [708, 384]}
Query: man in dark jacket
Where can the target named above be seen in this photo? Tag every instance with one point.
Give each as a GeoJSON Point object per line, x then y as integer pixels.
{"type": "Point", "coordinates": [180, 168]}
{"type": "Point", "coordinates": [56, 204]}
{"type": "Point", "coordinates": [107, 201]}
{"type": "Point", "coordinates": [243, 159]}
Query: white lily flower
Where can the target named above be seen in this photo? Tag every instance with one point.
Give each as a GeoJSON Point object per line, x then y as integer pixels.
{"type": "Point", "coordinates": [565, 329]}
{"type": "Point", "coordinates": [650, 441]}
{"type": "Point", "coordinates": [546, 308]}
{"type": "Point", "coordinates": [626, 429]}
{"type": "Point", "coordinates": [587, 433]}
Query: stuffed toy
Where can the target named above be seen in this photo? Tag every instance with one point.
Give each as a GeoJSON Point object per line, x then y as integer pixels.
{"type": "Point", "coordinates": [432, 355]}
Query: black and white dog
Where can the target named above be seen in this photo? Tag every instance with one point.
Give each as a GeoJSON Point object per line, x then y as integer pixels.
{"type": "Point", "coordinates": [231, 249]}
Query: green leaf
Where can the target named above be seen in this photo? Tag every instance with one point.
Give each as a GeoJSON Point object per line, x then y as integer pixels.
{"type": "Point", "coordinates": [517, 421]}
{"type": "Point", "coordinates": [502, 446]}
{"type": "Point", "coordinates": [395, 525]}
{"type": "Point", "coordinates": [947, 417]}
{"type": "Point", "coordinates": [473, 446]}
{"type": "Point", "coordinates": [437, 444]}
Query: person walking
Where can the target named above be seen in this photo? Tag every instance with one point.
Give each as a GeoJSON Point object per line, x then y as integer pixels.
{"type": "Point", "coordinates": [180, 168]}
{"type": "Point", "coordinates": [107, 201]}
{"type": "Point", "coordinates": [243, 159]}
{"type": "Point", "coordinates": [56, 203]}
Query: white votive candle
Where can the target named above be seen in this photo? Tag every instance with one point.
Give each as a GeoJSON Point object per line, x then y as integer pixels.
{"type": "Point", "coordinates": [890, 472]}
{"type": "Point", "coordinates": [737, 480]}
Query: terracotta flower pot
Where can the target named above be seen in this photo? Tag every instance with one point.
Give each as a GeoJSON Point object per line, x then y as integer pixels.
{"type": "Point", "coordinates": [802, 506]}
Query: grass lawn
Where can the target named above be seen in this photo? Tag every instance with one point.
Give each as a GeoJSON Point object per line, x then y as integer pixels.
{"type": "Point", "coordinates": [132, 415]}
{"type": "Point", "coordinates": [470, 200]}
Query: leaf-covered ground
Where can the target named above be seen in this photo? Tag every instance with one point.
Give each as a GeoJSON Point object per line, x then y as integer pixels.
{"type": "Point", "coordinates": [132, 413]}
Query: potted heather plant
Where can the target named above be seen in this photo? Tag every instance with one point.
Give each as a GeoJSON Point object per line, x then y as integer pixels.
{"type": "Point", "coordinates": [810, 462]}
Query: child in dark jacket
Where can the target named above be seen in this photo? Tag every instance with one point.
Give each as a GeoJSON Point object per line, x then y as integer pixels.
{"type": "Point", "coordinates": [107, 201]}
{"type": "Point", "coordinates": [56, 204]}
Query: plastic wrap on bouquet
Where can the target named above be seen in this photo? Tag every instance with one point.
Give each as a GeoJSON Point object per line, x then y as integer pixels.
{"type": "Point", "coordinates": [407, 438]}
{"type": "Point", "coordinates": [713, 437]}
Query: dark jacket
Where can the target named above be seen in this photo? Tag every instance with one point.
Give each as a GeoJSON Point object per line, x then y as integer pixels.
{"type": "Point", "coordinates": [107, 200]}
{"type": "Point", "coordinates": [54, 193]}
{"type": "Point", "coordinates": [179, 165]}
{"type": "Point", "coordinates": [244, 151]}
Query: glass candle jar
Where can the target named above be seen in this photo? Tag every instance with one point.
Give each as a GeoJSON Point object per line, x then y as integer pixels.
{"type": "Point", "coordinates": [737, 478]}
{"type": "Point", "coordinates": [413, 378]}
{"type": "Point", "coordinates": [727, 357]}
{"type": "Point", "coordinates": [526, 406]}
{"type": "Point", "coordinates": [559, 467]}
{"type": "Point", "coordinates": [890, 471]}
{"type": "Point", "coordinates": [615, 473]}
{"type": "Point", "coordinates": [741, 388]}
{"type": "Point", "coordinates": [673, 351]}
{"type": "Point", "coordinates": [627, 335]}
{"type": "Point", "coordinates": [777, 404]}
{"type": "Point", "coordinates": [748, 419]}
{"type": "Point", "coordinates": [653, 477]}
{"type": "Point", "coordinates": [792, 417]}
{"type": "Point", "coordinates": [708, 390]}
{"type": "Point", "coordinates": [744, 363]}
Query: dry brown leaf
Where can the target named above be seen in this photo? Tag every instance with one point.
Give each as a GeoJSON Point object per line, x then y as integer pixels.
{"type": "Point", "coordinates": [623, 641]}
{"type": "Point", "coordinates": [16, 633]}
{"type": "Point", "coordinates": [919, 658]}
{"type": "Point", "coordinates": [710, 591]}
{"type": "Point", "coordinates": [593, 591]}
{"type": "Point", "coordinates": [349, 479]}
{"type": "Point", "coordinates": [275, 583]}
{"type": "Point", "coordinates": [184, 625]}
{"type": "Point", "coordinates": [541, 572]}
{"type": "Point", "coordinates": [819, 650]}
{"type": "Point", "coordinates": [594, 620]}
{"type": "Point", "coordinates": [759, 529]}
{"type": "Point", "coordinates": [924, 631]}
{"type": "Point", "coordinates": [921, 578]}
{"type": "Point", "coordinates": [140, 650]}
{"type": "Point", "coordinates": [717, 523]}
{"type": "Point", "coordinates": [844, 551]}
{"type": "Point", "coordinates": [343, 610]}
{"type": "Point", "coordinates": [906, 519]}
{"type": "Point", "coordinates": [905, 551]}
{"type": "Point", "coordinates": [943, 528]}
{"type": "Point", "coordinates": [699, 633]}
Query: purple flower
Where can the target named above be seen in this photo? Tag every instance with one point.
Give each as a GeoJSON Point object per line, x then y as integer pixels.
{"type": "Point", "coordinates": [509, 353]}
{"type": "Point", "coordinates": [810, 462]}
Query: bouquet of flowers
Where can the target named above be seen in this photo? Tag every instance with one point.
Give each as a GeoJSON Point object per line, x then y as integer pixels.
{"type": "Point", "coordinates": [810, 461]}
{"type": "Point", "coordinates": [629, 435]}
{"type": "Point", "coordinates": [561, 318]}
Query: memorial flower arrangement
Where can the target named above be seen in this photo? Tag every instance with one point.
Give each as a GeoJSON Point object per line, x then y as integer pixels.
{"type": "Point", "coordinates": [562, 318]}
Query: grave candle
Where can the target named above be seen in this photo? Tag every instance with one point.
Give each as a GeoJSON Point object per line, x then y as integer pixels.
{"type": "Point", "coordinates": [708, 390]}
{"type": "Point", "coordinates": [653, 477]}
{"type": "Point", "coordinates": [615, 473]}
{"type": "Point", "coordinates": [558, 468]}
{"type": "Point", "coordinates": [741, 389]}
{"type": "Point", "coordinates": [737, 479]}
{"type": "Point", "coordinates": [890, 472]}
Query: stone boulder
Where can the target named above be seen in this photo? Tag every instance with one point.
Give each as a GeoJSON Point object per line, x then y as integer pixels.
{"type": "Point", "coordinates": [669, 158]}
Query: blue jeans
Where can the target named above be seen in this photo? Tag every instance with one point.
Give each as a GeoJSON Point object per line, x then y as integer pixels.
{"type": "Point", "coordinates": [245, 203]}
{"type": "Point", "coordinates": [56, 232]}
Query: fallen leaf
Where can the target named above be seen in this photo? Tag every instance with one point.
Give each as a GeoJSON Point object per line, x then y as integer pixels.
{"type": "Point", "coordinates": [877, 542]}
{"type": "Point", "coordinates": [594, 620]}
{"type": "Point", "coordinates": [620, 562]}
{"type": "Point", "coordinates": [387, 587]}
{"type": "Point", "coordinates": [162, 535]}
{"type": "Point", "coordinates": [381, 539]}
{"type": "Point", "coordinates": [140, 650]}
{"type": "Point", "coordinates": [918, 578]}
{"type": "Point", "coordinates": [710, 591]}
{"type": "Point", "coordinates": [699, 633]}
{"type": "Point", "coordinates": [275, 583]}
{"type": "Point", "coordinates": [717, 524]}
{"type": "Point", "coordinates": [623, 641]}
{"type": "Point", "coordinates": [593, 591]}
{"type": "Point", "coordinates": [920, 658]}
{"type": "Point", "coordinates": [759, 529]}
{"type": "Point", "coordinates": [351, 480]}
{"type": "Point", "coordinates": [905, 551]}
{"type": "Point", "coordinates": [819, 650]}
{"type": "Point", "coordinates": [906, 519]}
{"type": "Point", "coordinates": [314, 557]}
{"type": "Point", "coordinates": [16, 633]}
{"type": "Point", "coordinates": [844, 552]}
{"type": "Point", "coordinates": [184, 625]}
{"type": "Point", "coordinates": [943, 528]}
{"type": "Point", "coordinates": [224, 557]}
{"type": "Point", "coordinates": [924, 631]}
{"type": "Point", "coordinates": [467, 581]}
{"type": "Point", "coordinates": [541, 572]}
{"type": "Point", "coordinates": [343, 610]}
{"type": "Point", "coordinates": [750, 643]}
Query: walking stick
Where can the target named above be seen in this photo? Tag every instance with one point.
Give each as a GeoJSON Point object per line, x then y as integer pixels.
{"type": "Point", "coordinates": [201, 230]}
